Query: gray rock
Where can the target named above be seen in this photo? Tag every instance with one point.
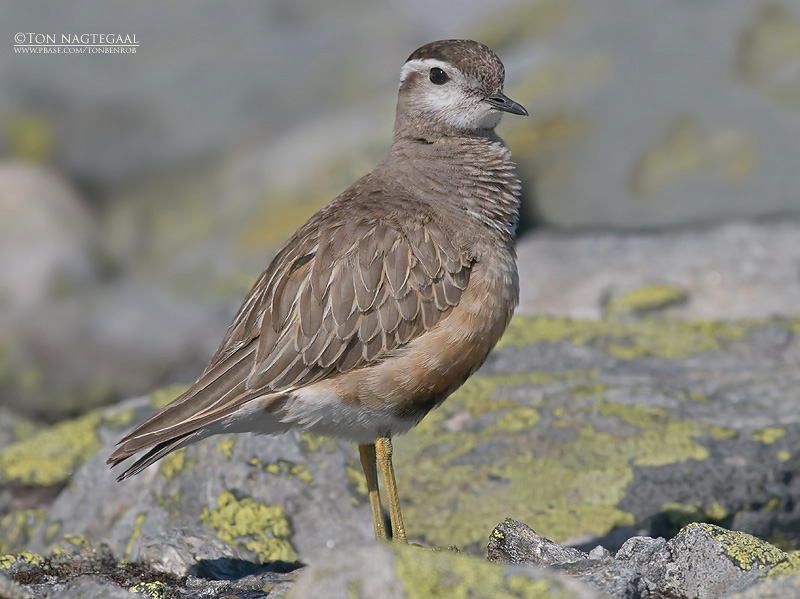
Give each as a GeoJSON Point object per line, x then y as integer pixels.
{"type": "Point", "coordinates": [89, 586]}
{"type": "Point", "coordinates": [398, 572]}
{"type": "Point", "coordinates": [771, 588]}
{"type": "Point", "coordinates": [216, 506]}
{"type": "Point", "coordinates": [11, 590]}
{"type": "Point", "coordinates": [735, 271]}
{"type": "Point", "coordinates": [45, 239]}
{"type": "Point", "coordinates": [515, 543]}
{"type": "Point", "coordinates": [646, 115]}
{"type": "Point", "coordinates": [702, 561]}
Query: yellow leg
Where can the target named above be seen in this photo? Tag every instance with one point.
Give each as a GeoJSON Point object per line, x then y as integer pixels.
{"type": "Point", "coordinates": [383, 448]}
{"type": "Point", "coordinates": [367, 453]}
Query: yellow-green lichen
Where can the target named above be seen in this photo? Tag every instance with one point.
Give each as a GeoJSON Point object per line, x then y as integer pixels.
{"type": "Point", "coordinates": [49, 457]}
{"type": "Point", "coordinates": [71, 544]}
{"type": "Point", "coordinates": [478, 395]}
{"type": "Point", "coordinates": [719, 433]}
{"type": "Point", "coordinates": [17, 528]}
{"type": "Point", "coordinates": [426, 573]}
{"type": "Point", "coordinates": [312, 443]}
{"type": "Point", "coordinates": [716, 512]}
{"type": "Point", "coordinates": [263, 529]}
{"type": "Point", "coordinates": [118, 419]}
{"type": "Point", "coordinates": [519, 419]}
{"type": "Point", "coordinates": [678, 515]}
{"type": "Point", "coordinates": [284, 468]}
{"type": "Point", "coordinates": [783, 456]}
{"type": "Point", "coordinates": [137, 531]}
{"type": "Point", "coordinates": [358, 482]}
{"type": "Point", "coordinates": [156, 590]}
{"type": "Point", "coordinates": [745, 551]}
{"type": "Point", "coordinates": [661, 440]}
{"type": "Point", "coordinates": [30, 137]}
{"type": "Point", "coordinates": [174, 463]}
{"type": "Point", "coordinates": [593, 390]}
{"type": "Point", "coordinates": [646, 298]}
{"type": "Point", "coordinates": [51, 532]}
{"type": "Point", "coordinates": [570, 490]}
{"type": "Point", "coordinates": [225, 446]}
{"type": "Point", "coordinates": [6, 561]}
{"type": "Point", "coordinates": [689, 150]}
{"type": "Point", "coordinates": [162, 397]}
{"type": "Point", "coordinates": [23, 428]}
{"type": "Point", "coordinates": [769, 435]}
{"type": "Point", "coordinates": [647, 337]}
{"type": "Point", "coordinates": [789, 566]}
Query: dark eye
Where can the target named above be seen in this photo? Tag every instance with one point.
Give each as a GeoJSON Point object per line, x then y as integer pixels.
{"type": "Point", "coordinates": [438, 76]}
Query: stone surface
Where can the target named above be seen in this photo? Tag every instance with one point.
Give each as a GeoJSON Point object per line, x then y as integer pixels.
{"type": "Point", "coordinates": [648, 115]}
{"type": "Point", "coordinates": [702, 561]}
{"type": "Point", "coordinates": [591, 430]}
{"type": "Point", "coordinates": [88, 572]}
{"type": "Point", "coordinates": [393, 572]}
{"type": "Point", "coordinates": [227, 499]}
{"type": "Point", "coordinates": [734, 271]}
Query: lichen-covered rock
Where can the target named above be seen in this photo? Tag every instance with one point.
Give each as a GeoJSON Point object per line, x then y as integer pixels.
{"type": "Point", "coordinates": [597, 428]}
{"type": "Point", "coordinates": [209, 508]}
{"type": "Point", "coordinates": [592, 430]}
{"type": "Point", "coordinates": [702, 561]}
{"type": "Point", "coordinates": [403, 572]}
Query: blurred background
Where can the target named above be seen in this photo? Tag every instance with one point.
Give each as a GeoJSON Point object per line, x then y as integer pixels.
{"type": "Point", "coordinates": [141, 194]}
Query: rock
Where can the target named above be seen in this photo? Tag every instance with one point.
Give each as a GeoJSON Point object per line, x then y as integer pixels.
{"type": "Point", "coordinates": [211, 508]}
{"type": "Point", "coordinates": [702, 561]}
{"type": "Point", "coordinates": [627, 128]}
{"type": "Point", "coordinates": [595, 430]}
{"type": "Point", "coordinates": [11, 590]}
{"type": "Point", "coordinates": [398, 572]}
{"type": "Point", "coordinates": [45, 236]}
{"type": "Point", "coordinates": [734, 271]}
{"type": "Point", "coordinates": [515, 543]}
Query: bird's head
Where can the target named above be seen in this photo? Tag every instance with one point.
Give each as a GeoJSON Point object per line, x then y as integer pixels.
{"type": "Point", "coordinates": [452, 87]}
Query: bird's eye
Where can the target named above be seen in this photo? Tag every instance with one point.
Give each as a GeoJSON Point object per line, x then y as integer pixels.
{"type": "Point", "coordinates": [438, 76]}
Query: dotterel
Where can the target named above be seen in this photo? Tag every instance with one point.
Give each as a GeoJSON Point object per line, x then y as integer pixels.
{"type": "Point", "coordinates": [387, 299]}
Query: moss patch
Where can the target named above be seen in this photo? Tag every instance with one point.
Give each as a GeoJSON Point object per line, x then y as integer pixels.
{"type": "Point", "coordinates": [50, 456]}
{"type": "Point", "coordinates": [246, 523]}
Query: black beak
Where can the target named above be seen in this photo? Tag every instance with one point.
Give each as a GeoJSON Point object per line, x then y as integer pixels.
{"type": "Point", "coordinates": [502, 102]}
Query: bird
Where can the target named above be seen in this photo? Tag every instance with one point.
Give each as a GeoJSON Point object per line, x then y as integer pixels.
{"type": "Point", "coordinates": [387, 299]}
